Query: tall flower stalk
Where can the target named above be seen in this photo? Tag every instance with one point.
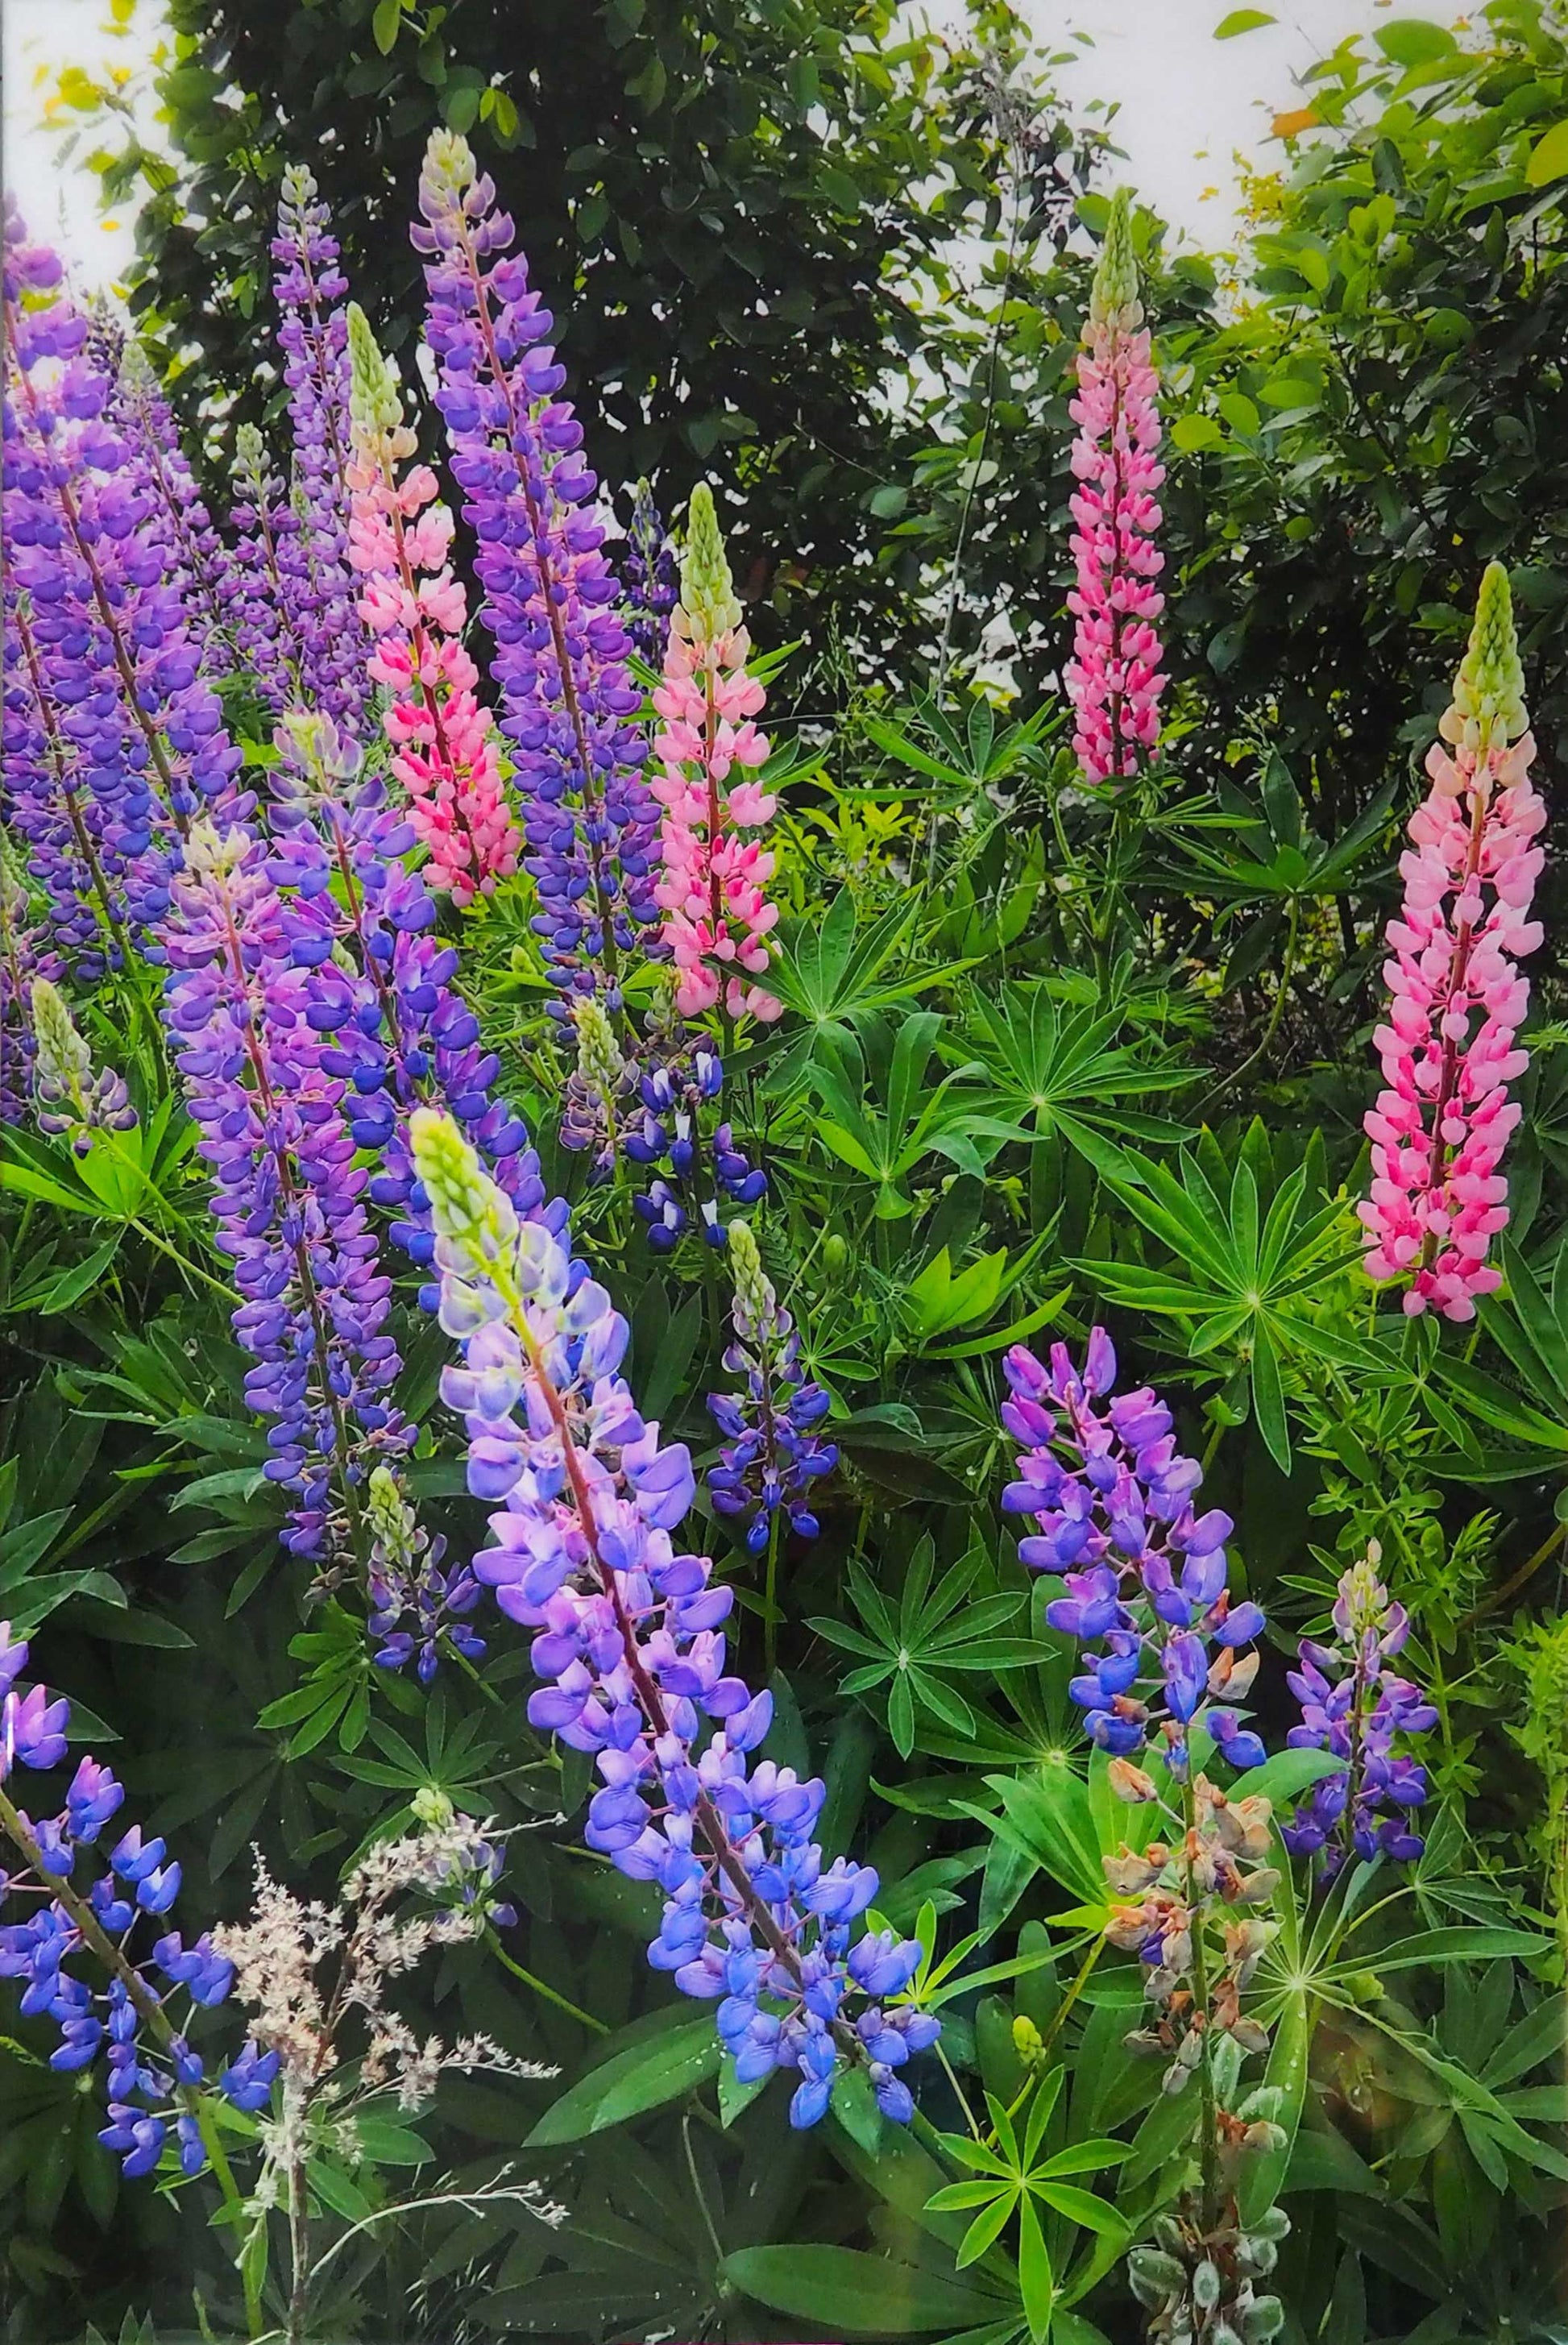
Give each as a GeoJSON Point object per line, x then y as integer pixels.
{"type": "Point", "coordinates": [716, 916]}
{"type": "Point", "coordinates": [1456, 997]}
{"type": "Point", "coordinates": [568, 703]}
{"type": "Point", "coordinates": [629, 1650]}
{"type": "Point", "coordinates": [444, 750]}
{"type": "Point", "coordinates": [1115, 674]}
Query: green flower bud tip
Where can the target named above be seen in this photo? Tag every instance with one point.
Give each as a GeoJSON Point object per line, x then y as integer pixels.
{"type": "Point", "coordinates": [298, 184]}
{"type": "Point", "coordinates": [1027, 2041]}
{"type": "Point", "coordinates": [598, 1059]}
{"type": "Point", "coordinates": [136, 375]}
{"type": "Point", "coordinates": [248, 454]}
{"type": "Point", "coordinates": [63, 1059]}
{"type": "Point", "coordinates": [753, 1288]}
{"type": "Point", "coordinates": [373, 403]}
{"type": "Point", "coordinates": [466, 1205]}
{"type": "Point", "coordinates": [1115, 291]}
{"type": "Point", "coordinates": [391, 1518]}
{"type": "Point", "coordinates": [707, 590]}
{"type": "Point", "coordinates": [1488, 690]}
{"type": "Point", "coordinates": [449, 160]}
{"type": "Point", "coordinates": [432, 1807]}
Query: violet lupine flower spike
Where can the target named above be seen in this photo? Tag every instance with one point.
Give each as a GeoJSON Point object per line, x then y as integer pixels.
{"type": "Point", "coordinates": [773, 1455]}
{"type": "Point", "coordinates": [252, 1002]}
{"type": "Point", "coordinates": [333, 648]}
{"type": "Point", "coordinates": [70, 1098]}
{"type": "Point", "coordinates": [629, 1648]}
{"type": "Point", "coordinates": [1457, 998]}
{"type": "Point", "coordinates": [569, 706]}
{"type": "Point", "coordinates": [196, 559]}
{"type": "Point", "coordinates": [255, 593]}
{"type": "Point", "coordinates": [1145, 1575]}
{"type": "Point", "coordinates": [444, 750]}
{"type": "Point", "coordinates": [1114, 676]}
{"type": "Point", "coordinates": [103, 578]}
{"type": "Point", "coordinates": [695, 1169]}
{"type": "Point", "coordinates": [1354, 1704]}
{"type": "Point", "coordinates": [403, 1033]}
{"type": "Point", "coordinates": [152, 2076]}
{"type": "Point", "coordinates": [405, 1580]}
{"type": "Point", "coordinates": [23, 962]}
{"type": "Point", "coordinates": [653, 586]}
{"type": "Point", "coordinates": [716, 916]}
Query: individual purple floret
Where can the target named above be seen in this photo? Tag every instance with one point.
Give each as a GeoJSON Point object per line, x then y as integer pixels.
{"type": "Point", "coordinates": [773, 1457]}
{"type": "Point", "coordinates": [567, 703]}
{"type": "Point", "coordinates": [653, 581]}
{"type": "Point", "coordinates": [1354, 1704]}
{"type": "Point", "coordinates": [687, 1078]}
{"type": "Point", "coordinates": [1145, 1577]}
{"type": "Point", "coordinates": [252, 1004]}
{"type": "Point", "coordinates": [629, 1648]}
{"type": "Point", "coordinates": [405, 1580]}
{"type": "Point", "coordinates": [134, 2013]}
{"type": "Point", "coordinates": [321, 602]}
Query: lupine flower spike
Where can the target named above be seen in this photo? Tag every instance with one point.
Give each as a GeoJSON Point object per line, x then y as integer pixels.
{"type": "Point", "coordinates": [652, 587]}
{"type": "Point", "coordinates": [773, 1455]}
{"type": "Point", "coordinates": [133, 2008]}
{"type": "Point", "coordinates": [1457, 1000]}
{"type": "Point", "coordinates": [630, 1649]}
{"type": "Point", "coordinates": [71, 1099]}
{"type": "Point", "coordinates": [1355, 1705]}
{"type": "Point", "coordinates": [1116, 676]}
{"type": "Point", "coordinates": [716, 916]}
{"type": "Point", "coordinates": [444, 749]}
{"type": "Point", "coordinates": [568, 703]}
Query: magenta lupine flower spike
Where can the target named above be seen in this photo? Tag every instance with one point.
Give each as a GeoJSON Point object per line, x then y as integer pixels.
{"type": "Point", "coordinates": [444, 747]}
{"type": "Point", "coordinates": [630, 1649]}
{"type": "Point", "coordinates": [716, 916]}
{"type": "Point", "coordinates": [1442, 1121]}
{"type": "Point", "coordinates": [567, 703]}
{"type": "Point", "coordinates": [1114, 676]}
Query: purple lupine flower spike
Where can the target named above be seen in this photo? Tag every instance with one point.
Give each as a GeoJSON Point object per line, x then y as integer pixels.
{"type": "Point", "coordinates": [407, 1036]}
{"type": "Point", "coordinates": [321, 602]}
{"type": "Point", "coordinates": [254, 589]}
{"type": "Point", "coordinates": [23, 959]}
{"type": "Point", "coordinates": [630, 1649]}
{"type": "Point", "coordinates": [134, 2013]}
{"type": "Point", "coordinates": [252, 1002]}
{"type": "Point", "coordinates": [1145, 1575]}
{"type": "Point", "coordinates": [194, 557]}
{"type": "Point", "coordinates": [693, 1166]}
{"type": "Point", "coordinates": [653, 581]}
{"type": "Point", "coordinates": [773, 1455]}
{"type": "Point", "coordinates": [408, 1584]}
{"type": "Point", "coordinates": [1356, 1706]}
{"type": "Point", "coordinates": [567, 703]}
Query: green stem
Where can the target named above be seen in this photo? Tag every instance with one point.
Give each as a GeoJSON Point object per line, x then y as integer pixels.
{"type": "Point", "coordinates": [1210, 2135]}
{"type": "Point", "coordinates": [769, 1591]}
{"type": "Point", "coordinates": [573, 2011]}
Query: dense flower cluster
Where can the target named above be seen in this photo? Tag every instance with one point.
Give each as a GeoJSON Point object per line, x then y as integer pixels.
{"type": "Point", "coordinates": [771, 1455]}
{"type": "Point", "coordinates": [695, 1167]}
{"type": "Point", "coordinates": [195, 558]}
{"type": "Point", "coordinates": [631, 1650]}
{"type": "Point", "coordinates": [398, 1031]}
{"type": "Point", "coordinates": [601, 1090]}
{"type": "Point", "coordinates": [24, 958]}
{"type": "Point", "coordinates": [252, 1002]}
{"type": "Point", "coordinates": [405, 1582]}
{"type": "Point", "coordinates": [69, 1098]}
{"type": "Point", "coordinates": [445, 751]}
{"type": "Point", "coordinates": [652, 588]}
{"type": "Point", "coordinates": [1145, 1575]}
{"type": "Point", "coordinates": [568, 703]}
{"type": "Point", "coordinates": [129, 2015]}
{"type": "Point", "coordinates": [253, 591]}
{"type": "Point", "coordinates": [1355, 1705]}
{"type": "Point", "coordinates": [319, 608]}
{"type": "Point", "coordinates": [1447, 1048]}
{"type": "Point", "coordinates": [1114, 676]}
{"type": "Point", "coordinates": [716, 916]}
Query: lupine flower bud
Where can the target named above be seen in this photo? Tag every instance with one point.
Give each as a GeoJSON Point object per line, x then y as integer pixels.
{"type": "Point", "coordinates": [773, 1456]}
{"type": "Point", "coordinates": [70, 1098]}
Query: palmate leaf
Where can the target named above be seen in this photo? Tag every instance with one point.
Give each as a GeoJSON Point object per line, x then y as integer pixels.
{"type": "Point", "coordinates": [834, 975]}
{"type": "Point", "coordinates": [853, 2294]}
{"type": "Point", "coordinates": [911, 1653]}
{"type": "Point", "coordinates": [1061, 1072]}
{"type": "Point", "coordinates": [1246, 1283]}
